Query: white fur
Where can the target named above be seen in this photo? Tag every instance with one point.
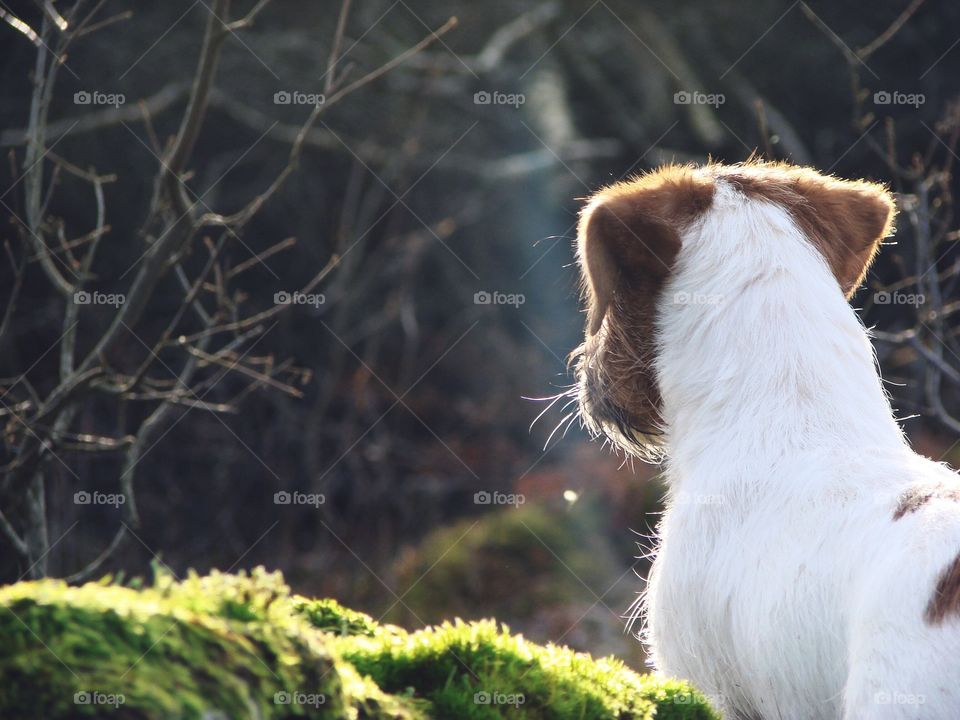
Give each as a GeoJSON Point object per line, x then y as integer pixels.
{"type": "Point", "coordinates": [783, 587]}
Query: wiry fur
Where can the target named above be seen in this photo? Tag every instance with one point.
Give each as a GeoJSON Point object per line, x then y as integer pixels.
{"type": "Point", "coordinates": [629, 225]}
{"type": "Point", "coordinates": [805, 567]}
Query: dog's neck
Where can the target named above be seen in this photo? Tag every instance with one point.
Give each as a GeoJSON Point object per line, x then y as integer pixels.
{"type": "Point", "coordinates": [761, 357]}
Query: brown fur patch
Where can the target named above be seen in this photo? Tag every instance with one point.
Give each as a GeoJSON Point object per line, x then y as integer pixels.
{"type": "Point", "coordinates": [915, 498]}
{"type": "Point", "coordinates": [630, 232]}
{"type": "Point", "coordinates": [628, 240]}
{"type": "Point", "coordinates": [946, 597]}
{"type": "Point", "coordinates": [845, 219]}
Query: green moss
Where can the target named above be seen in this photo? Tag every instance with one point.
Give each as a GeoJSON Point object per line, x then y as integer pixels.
{"type": "Point", "coordinates": [558, 554]}
{"type": "Point", "coordinates": [479, 670]}
{"type": "Point", "coordinates": [330, 616]}
{"type": "Point", "coordinates": [241, 646]}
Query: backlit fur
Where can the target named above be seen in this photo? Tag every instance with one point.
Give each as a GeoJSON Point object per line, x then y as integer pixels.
{"type": "Point", "coordinates": [807, 562]}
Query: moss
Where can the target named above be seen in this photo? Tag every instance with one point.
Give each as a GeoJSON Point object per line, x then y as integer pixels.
{"type": "Point", "coordinates": [479, 670]}
{"type": "Point", "coordinates": [557, 553]}
{"type": "Point", "coordinates": [241, 646]}
{"type": "Point", "coordinates": [330, 616]}
{"type": "Point", "coordinates": [231, 643]}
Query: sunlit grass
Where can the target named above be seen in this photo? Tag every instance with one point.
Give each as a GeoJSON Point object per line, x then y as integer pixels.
{"type": "Point", "coordinates": [243, 645]}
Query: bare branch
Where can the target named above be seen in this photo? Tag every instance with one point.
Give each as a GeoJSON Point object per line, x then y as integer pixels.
{"type": "Point", "coordinates": [216, 32]}
{"type": "Point", "coordinates": [94, 566]}
{"type": "Point", "coordinates": [266, 314]}
{"type": "Point", "coordinates": [242, 217]}
{"type": "Point", "coordinates": [19, 266]}
{"type": "Point", "coordinates": [261, 256]}
{"type": "Point", "coordinates": [235, 365]}
{"type": "Point", "coordinates": [331, 78]}
{"type": "Point", "coordinates": [163, 99]}
{"type": "Point", "coordinates": [884, 37]}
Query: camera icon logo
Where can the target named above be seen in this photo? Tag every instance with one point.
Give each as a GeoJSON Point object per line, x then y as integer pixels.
{"type": "Point", "coordinates": [82, 497]}
{"type": "Point", "coordinates": [482, 298]}
{"type": "Point", "coordinates": [481, 698]}
{"type": "Point", "coordinates": [282, 698]}
{"type": "Point", "coordinates": [282, 498]}
{"type": "Point", "coordinates": [82, 98]}
{"type": "Point", "coordinates": [882, 97]}
{"type": "Point", "coordinates": [282, 298]}
{"type": "Point", "coordinates": [282, 97]}
{"type": "Point", "coordinates": [482, 98]}
{"type": "Point", "coordinates": [82, 698]}
{"type": "Point", "coordinates": [81, 297]}
{"type": "Point", "coordinates": [682, 98]}
{"type": "Point", "coordinates": [482, 498]}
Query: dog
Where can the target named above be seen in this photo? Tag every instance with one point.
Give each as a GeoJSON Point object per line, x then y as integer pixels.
{"type": "Point", "coordinates": [808, 561]}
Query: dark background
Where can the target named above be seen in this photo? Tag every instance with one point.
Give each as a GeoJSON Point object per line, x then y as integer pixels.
{"type": "Point", "coordinates": [413, 394]}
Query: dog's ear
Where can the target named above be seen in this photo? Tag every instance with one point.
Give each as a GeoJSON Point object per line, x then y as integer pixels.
{"type": "Point", "coordinates": [846, 220]}
{"type": "Point", "coordinates": [620, 246]}
{"type": "Point", "coordinates": [629, 236]}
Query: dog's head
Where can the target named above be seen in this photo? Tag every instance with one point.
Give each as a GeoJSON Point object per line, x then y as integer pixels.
{"type": "Point", "coordinates": [629, 238]}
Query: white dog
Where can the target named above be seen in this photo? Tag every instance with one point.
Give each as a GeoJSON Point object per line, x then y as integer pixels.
{"type": "Point", "coordinates": [809, 561]}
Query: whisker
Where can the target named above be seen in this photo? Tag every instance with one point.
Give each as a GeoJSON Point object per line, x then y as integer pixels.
{"type": "Point", "coordinates": [569, 403]}
{"type": "Point", "coordinates": [570, 424]}
{"type": "Point", "coordinates": [543, 412]}
{"type": "Point", "coordinates": [548, 397]}
{"type": "Point", "coordinates": [563, 420]}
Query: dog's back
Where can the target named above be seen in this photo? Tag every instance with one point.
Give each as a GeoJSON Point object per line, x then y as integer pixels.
{"type": "Point", "coordinates": [813, 615]}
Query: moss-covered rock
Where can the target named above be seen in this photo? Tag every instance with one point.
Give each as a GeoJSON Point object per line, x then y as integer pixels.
{"type": "Point", "coordinates": [239, 646]}
{"type": "Point", "coordinates": [557, 553]}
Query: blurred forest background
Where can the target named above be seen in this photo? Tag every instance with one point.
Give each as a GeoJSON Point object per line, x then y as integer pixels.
{"type": "Point", "coordinates": [277, 276]}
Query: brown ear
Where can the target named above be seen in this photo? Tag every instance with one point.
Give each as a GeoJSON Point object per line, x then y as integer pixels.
{"type": "Point", "coordinates": [629, 235]}
{"type": "Point", "coordinates": [848, 219]}
{"type": "Point", "coordinates": [620, 247]}
{"type": "Point", "coordinates": [845, 219]}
